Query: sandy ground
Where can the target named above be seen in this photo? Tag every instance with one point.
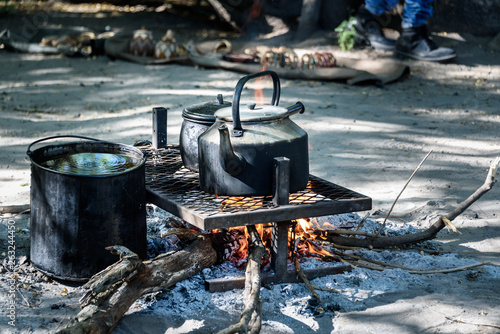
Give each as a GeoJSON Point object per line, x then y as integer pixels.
{"type": "Point", "coordinates": [366, 138]}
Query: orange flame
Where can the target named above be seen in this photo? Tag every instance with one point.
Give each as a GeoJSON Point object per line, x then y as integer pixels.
{"type": "Point", "coordinates": [305, 239]}
{"type": "Point", "coordinates": [306, 233]}
{"type": "Point", "coordinates": [259, 93]}
{"type": "Point", "coordinates": [304, 224]}
{"type": "Point", "coordinates": [315, 249]}
{"type": "Point", "coordinates": [309, 225]}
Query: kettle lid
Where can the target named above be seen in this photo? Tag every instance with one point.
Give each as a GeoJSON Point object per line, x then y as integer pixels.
{"type": "Point", "coordinates": [252, 112]}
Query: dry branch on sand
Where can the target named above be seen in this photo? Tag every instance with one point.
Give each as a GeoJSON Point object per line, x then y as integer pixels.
{"type": "Point", "coordinates": [374, 241]}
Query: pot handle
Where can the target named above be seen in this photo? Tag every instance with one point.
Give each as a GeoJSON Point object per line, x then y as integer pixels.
{"type": "Point", "coordinates": [237, 129]}
{"type": "Point", "coordinates": [29, 152]}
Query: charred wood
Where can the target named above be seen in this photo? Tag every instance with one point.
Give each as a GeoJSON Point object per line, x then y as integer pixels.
{"type": "Point", "coordinates": [251, 317]}
{"type": "Point", "coordinates": [112, 291]}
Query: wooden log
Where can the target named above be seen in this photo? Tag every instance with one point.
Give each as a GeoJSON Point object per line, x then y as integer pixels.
{"type": "Point", "coordinates": [115, 289]}
{"type": "Point", "coordinates": [251, 317]}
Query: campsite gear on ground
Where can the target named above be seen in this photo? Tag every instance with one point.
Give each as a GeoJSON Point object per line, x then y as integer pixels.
{"type": "Point", "coordinates": [165, 48]}
{"type": "Point", "coordinates": [142, 43]}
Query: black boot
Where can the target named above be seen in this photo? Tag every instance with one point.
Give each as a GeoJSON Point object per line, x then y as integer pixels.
{"type": "Point", "coordinates": [369, 32]}
{"type": "Point", "coordinates": [416, 43]}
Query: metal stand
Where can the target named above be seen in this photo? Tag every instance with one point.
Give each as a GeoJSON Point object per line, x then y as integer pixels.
{"type": "Point", "coordinates": [282, 210]}
{"type": "Point", "coordinates": [279, 242]}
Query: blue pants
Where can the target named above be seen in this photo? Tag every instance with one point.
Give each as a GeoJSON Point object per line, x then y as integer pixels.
{"type": "Point", "coordinates": [415, 12]}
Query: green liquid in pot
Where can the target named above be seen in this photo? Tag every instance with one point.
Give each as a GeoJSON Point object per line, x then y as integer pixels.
{"type": "Point", "coordinates": [92, 163]}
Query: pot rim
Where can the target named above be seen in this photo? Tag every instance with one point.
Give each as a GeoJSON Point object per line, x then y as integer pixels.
{"type": "Point", "coordinates": [53, 151]}
{"type": "Point", "coordinates": [197, 118]}
{"type": "Point", "coordinates": [204, 112]}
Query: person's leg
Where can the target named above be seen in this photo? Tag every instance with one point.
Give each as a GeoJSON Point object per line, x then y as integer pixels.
{"type": "Point", "coordinates": [416, 13]}
{"type": "Point", "coordinates": [415, 41]}
{"type": "Point", "coordinates": [379, 7]}
{"type": "Point", "coordinates": [367, 25]}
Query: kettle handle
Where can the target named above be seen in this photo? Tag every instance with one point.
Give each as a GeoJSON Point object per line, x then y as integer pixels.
{"type": "Point", "coordinates": [237, 129]}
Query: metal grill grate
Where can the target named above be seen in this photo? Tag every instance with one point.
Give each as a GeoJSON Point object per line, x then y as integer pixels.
{"type": "Point", "coordinates": [176, 189]}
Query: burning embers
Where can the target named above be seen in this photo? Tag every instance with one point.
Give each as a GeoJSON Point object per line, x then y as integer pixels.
{"type": "Point", "coordinates": [234, 245]}
{"type": "Point", "coordinates": [241, 203]}
{"type": "Point", "coordinates": [305, 239]}
{"type": "Point", "coordinates": [308, 235]}
{"type": "Point", "coordinates": [249, 203]}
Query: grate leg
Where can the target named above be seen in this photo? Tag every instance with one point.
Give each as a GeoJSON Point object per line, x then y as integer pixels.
{"type": "Point", "coordinates": [281, 179]}
{"type": "Point", "coordinates": [279, 249]}
{"type": "Point", "coordinates": [159, 127]}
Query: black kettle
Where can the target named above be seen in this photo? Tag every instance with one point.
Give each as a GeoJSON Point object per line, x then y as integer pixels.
{"type": "Point", "coordinates": [236, 153]}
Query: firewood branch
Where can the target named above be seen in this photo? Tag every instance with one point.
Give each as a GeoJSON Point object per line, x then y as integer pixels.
{"type": "Point", "coordinates": [380, 266]}
{"type": "Point", "coordinates": [250, 321]}
{"type": "Point", "coordinates": [397, 197]}
{"type": "Point", "coordinates": [303, 277]}
{"type": "Point", "coordinates": [487, 185]}
{"type": "Point", "coordinates": [112, 291]}
{"type": "Point", "coordinates": [337, 237]}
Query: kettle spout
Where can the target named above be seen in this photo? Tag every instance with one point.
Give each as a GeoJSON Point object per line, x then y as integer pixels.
{"type": "Point", "coordinates": [231, 162]}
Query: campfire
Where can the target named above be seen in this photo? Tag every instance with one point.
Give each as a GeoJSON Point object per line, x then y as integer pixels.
{"type": "Point", "coordinates": [308, 236]}
{"type": "Point", "coordinates": [305, 238]}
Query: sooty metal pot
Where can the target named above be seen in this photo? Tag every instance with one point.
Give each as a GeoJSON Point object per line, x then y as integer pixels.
{"type": "Point", "coordinates": [236, 153]}
{"type": "Point", "coordinates": [197, 119]}
{"type": "Point", "coordinates": [75, 215]}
